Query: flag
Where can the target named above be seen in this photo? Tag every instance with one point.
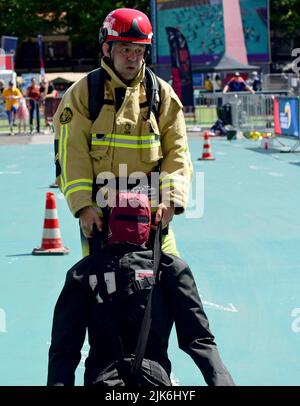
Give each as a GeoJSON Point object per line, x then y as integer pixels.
{"type": "Point", "coordinates": [41, 55]}
{"type": "Point", "coordinates": [181, 66]}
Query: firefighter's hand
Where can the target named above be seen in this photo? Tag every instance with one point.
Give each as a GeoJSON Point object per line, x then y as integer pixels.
{"type": "Point", "coordinates": [87, 217]}
{"type": "Point", "coordinates": [164, 214]}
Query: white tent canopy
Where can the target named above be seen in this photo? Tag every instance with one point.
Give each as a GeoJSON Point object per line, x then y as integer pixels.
{"type": "Point", "coordinates": [227, 64]}
{"type": "Point", "coordinates": [65, 76]}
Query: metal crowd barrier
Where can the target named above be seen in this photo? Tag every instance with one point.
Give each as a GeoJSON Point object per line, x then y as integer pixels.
{"type": "Point", "coordinates": [248, 111]}
{"type": "Point", "coordinates": [47, 109]}
{"type": "Point", "coordinates": [50, 107]}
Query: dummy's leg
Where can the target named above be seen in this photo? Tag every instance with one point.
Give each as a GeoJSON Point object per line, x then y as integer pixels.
{"type": "Point", "coordinates": [192, 325]}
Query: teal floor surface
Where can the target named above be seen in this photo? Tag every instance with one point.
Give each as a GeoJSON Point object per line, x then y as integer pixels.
{"type": "Point", "coordinates": [243, 247]}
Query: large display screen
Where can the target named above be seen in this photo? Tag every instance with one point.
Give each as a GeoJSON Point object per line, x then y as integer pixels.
{"type": "Point", "coordinates": [201, 24]}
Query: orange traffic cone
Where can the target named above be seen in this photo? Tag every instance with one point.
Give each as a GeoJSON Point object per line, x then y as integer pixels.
{"type": "Point", "coordinates": [51, 240]}
{"type": "Point", "coordinates": [206, 154]}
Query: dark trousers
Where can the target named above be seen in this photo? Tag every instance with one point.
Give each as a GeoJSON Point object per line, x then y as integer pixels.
{"type": "Point", "coordinates": [152, 374]}
{"type": "Point", "coordinates": [34, 106]}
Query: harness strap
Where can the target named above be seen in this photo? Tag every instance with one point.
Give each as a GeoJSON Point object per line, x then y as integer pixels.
{"type": "Point", "coordinates": [147, 319]}
{"type": "Point", "coordinates": [96, 80]}
{"type": "Point", "coordinates": [153, 92]}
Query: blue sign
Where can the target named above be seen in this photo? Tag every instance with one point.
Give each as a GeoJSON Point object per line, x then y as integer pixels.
{"type": "Point", "coordinates": [9, 44]}
{"type": "Point", "coordinates": [286, 116]}
{"type": "Point", "coordinates": [198, 80]}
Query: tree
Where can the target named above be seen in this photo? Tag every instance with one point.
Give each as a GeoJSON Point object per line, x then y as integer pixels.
{"type": "Point", "coordinates": [23, 18]}
{"type": "Point", "coordinates": [285, 17]}
{"type": "Point", "coordinates": [80, 19]}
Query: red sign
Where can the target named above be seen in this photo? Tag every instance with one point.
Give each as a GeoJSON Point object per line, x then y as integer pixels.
{"type": "Point", "coordinates": [6, 61]}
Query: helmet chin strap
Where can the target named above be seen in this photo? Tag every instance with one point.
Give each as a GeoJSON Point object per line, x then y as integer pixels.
{"type": "Point", "coordinates": [147, 57]}
{"type": "Point", "coordinates": [110, 44]}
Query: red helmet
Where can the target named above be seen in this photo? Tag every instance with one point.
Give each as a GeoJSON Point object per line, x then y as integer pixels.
{"type": "Point", "coordinates": [126, 25]}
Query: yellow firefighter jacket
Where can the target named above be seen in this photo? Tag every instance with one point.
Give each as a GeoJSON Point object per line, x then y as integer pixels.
{"type": "Point", "coordinates": [88, 150]}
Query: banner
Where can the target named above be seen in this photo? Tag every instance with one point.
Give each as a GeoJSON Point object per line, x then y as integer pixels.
{"type": "Point", "coordinates": [41, 55]}
{"type": "Point", "coordinates": [154, 29]}
{"type": "Point", "coordinates": [286, 116]}
{"type": "Point", "coordinates": [181, 67]}
{"type": "Point", "coordinates": [9, 44]}
{"type": "Point", "coordinates": [198, 80]}
{"type": "Point", "coordinates": [201, 22]}
{"type": "Point", "coordinates": [8, 52]}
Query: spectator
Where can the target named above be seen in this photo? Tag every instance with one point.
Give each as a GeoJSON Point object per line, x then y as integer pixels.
{"type": "Point", "coordinates": [52, 92]}
{"type": "Point", "coordinates": [22, 115]}
{"type": "Point", "coordinates": [237, 84]}
{"type": "Point", "coordinates": [1, 87]}
{"type": "Point", "coordinates": [217, 83]}
{"type": "Point", "coordinates": [208, 85]}
{"type": "Point", "coordinates": [47, 89]}
{"type": "Point", "coordinates": [11, 95]}
{"type": "Point", "coordinates": [44, 88]}
{"type": "Point", "coordinates": [255, 82]}
{"type": "Point", "coordinates": [47, 92]}
{"type": "Point", "coordinates": [1, 91]}
{"type": "Point", "coordinates": [33, 92]}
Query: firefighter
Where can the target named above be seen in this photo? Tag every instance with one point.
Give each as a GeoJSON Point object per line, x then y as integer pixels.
{"type": "Point", "coordinates": [122, 141]}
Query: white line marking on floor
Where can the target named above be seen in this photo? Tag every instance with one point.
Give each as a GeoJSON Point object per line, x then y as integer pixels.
{"type": "Point", "coordinates": [2, 321]}
{"type": "Point", "coordinates": [276, 174]}
{"type": "Point", "coordinates": [11, 166]}
{"type": "Point", "coordinates": [230, 308]}
{"type": "Point", "coordinates": [10, 173]}
{"type": "Point", "coordinates": [258, 168]}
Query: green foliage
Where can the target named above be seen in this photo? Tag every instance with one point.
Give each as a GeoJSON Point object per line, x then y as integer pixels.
{"type": "Point", "coordinates": [23, 18]}
{"type": "Point", "coordinates": [81, 19]}
{"type": "Point", "coordinates": [285, 16]}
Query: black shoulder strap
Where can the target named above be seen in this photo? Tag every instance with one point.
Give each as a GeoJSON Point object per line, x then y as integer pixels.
{"type": "Point", "coordinates": [153, 93]}
{"type": "Point", "coordinates": [96, 80]}
{"type": "Point", "coordinates": [147, 319]}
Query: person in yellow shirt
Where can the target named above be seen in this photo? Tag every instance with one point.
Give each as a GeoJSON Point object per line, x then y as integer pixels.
{"type": "Point", "coordinates": [208, 85]}
{"type": "Point", "coordinates": [11, 96]}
